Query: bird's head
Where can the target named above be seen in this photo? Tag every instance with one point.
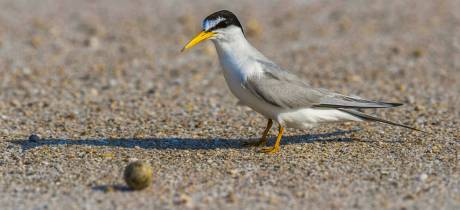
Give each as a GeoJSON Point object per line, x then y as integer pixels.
{"type": "Point", "coordinates": [215, 26]}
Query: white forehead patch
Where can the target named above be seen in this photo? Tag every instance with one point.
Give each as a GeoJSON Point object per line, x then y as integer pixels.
{"type": "Point", "coordinates": [208, 24]}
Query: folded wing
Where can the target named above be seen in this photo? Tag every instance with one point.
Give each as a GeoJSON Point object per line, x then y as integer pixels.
{"type": "Point", "coordinates": [283, 89]}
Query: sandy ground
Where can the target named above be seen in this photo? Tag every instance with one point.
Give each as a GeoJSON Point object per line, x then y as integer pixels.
{"type": "Point", "coordinates": [103, 83]}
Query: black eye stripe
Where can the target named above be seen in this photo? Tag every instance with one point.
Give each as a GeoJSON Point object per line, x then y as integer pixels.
{"type": "Point", "coordinates": [222, 24]}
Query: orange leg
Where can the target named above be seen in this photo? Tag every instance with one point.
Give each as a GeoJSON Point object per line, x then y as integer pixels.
{"type": "Point", "coordinates": [276, 148]}
{"type": "Point", "coordinates": [262, 140]}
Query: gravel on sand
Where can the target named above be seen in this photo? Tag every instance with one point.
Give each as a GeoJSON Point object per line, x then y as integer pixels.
{"type": "Point", "coordinates": [102, 83]}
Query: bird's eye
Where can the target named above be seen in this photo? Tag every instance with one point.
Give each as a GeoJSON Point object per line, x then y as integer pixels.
{"type": "Point", "coordinates": [211, 24]}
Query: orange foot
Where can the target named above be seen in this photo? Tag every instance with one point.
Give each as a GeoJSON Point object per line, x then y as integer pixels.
{"type": "Point", "coordinates": [270, 150]}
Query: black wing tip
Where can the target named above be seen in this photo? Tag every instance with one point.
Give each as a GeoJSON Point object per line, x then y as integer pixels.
{"type": "Point", "coordinates": [426, 132]}
{"type": "Point", "coordinates": [379, 106]}
{"type": "Point", "coordinates": [418, 130]}
{"type": "Point", "coordinates": [394, 104]}
{"type": "Point", "coordinates": [415, 129]}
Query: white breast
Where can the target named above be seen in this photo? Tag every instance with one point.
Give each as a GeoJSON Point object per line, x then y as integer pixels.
{"type": "Point", "coordinates": [235, 72]}
{"type": "Point", "coordinates": [237, 60]}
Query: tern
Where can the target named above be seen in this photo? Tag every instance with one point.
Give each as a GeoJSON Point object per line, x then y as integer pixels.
{"type": "Point", "coordinates": [274, 92]}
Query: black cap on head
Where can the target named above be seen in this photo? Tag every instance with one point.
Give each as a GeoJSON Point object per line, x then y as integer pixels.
{"type": "Point", "coordinates": [220, 19]}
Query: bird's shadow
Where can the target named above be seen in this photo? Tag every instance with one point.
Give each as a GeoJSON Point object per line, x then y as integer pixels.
{"type": "Point", "coordinates": [112, 188]}
{"type": "Point", "coordinates": [181, 143]}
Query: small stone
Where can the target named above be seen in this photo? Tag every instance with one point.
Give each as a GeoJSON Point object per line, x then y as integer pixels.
{"type": "Point", "coordinates": [419, 108]}
{"type": "Point", "coordinates": [423, 177]}
{"type": "Point", "coordinates": [402, 87]}
{"type": "Point", "coordinates": [107, 155]}
{"type": "Point", "coordinates": [409, 197]}
{"type": "Point", "coordinates": [233, 172]}
{"type": "Point", "coordinates": [34, 138]}
{"type": "Point", "coordinates": [36, 41]}
{"type": "Point", "coordinates": [230, 198]}
{"type": "Point", "coordinates": [436, 149]}
{"type": "Point", "coordinates": [138, 175]}
{"type": "Point", "coordinates": [70, 116]}
{"type": "Point", "coordinates": [183, 199]}
{"type": "Point", "coordinates": [300, 194]}
{"type": "Point", "coordinates": [395, 50]}
{"type": "Point", "coordinates": [151, 91]}
{"type": "Point", "coordinates": [356, 78]}
{"type": "Point", "coordinates": [417, 53]}
{"type": "Point", "coordinates": [94, 92]}
{"type": "Point", "coordinates": [15, 103]}
{"type": "Point", "coordinates": [92, 42]}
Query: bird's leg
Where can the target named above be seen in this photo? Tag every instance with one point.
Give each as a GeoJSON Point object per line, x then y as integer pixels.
{"type": "Point", "coordinates": [262, 140]}
{"type": "Point", "coordinates": [276, 148]}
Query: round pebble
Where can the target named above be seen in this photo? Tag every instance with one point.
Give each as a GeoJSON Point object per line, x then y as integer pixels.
{"type": "Point", "coordinates": [34, 138]}
{"type": "Point", "coordinates": [138, 175]}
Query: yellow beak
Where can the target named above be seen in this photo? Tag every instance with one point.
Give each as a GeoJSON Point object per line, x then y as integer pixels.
{"type": "Point", "coordinates": [198, 38]}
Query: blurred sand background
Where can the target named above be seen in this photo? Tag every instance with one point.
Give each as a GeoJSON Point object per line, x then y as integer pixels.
{"type": "Point", "coordinates": [103, 83]}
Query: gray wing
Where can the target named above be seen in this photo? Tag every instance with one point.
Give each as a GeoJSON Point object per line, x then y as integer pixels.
{"type": "Point", "coordinates": [283, 89]}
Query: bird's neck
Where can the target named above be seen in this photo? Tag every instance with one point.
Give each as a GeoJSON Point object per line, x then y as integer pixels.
{"type": "Point", "coordinates": [234, 45]}
{"type": "Point", "coordinates": [236, 53]}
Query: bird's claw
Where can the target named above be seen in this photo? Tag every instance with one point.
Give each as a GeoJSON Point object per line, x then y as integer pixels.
{"type": "Point", "coordinates": [270, 150]}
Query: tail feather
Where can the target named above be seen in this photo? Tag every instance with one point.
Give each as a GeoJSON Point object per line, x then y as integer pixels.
{"type": "Point", "coordinates": [372, 118]}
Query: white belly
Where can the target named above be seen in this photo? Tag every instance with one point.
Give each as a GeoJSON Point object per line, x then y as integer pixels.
{"type": "Point", "coordinates": [309, 117]}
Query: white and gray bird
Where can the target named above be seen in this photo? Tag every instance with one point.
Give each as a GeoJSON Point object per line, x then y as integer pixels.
{"type": "Point", "coordinates": [275, 93]}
